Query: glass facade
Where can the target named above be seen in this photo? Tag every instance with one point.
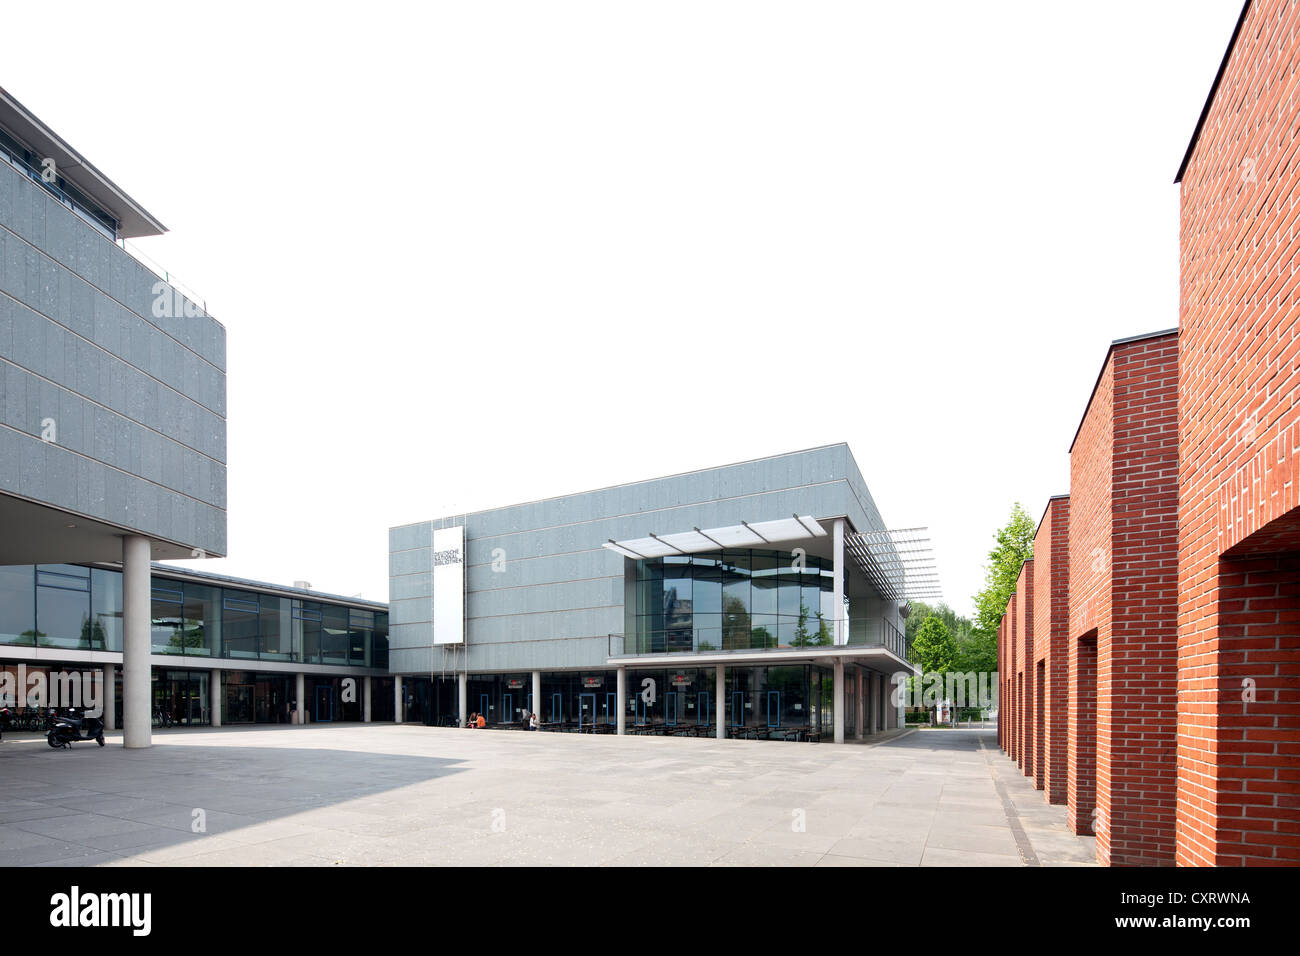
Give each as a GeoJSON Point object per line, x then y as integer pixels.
{"type": "Point", "coordinates": [732, 600]}
{"type": "Point", "coordinates": [79, 608]}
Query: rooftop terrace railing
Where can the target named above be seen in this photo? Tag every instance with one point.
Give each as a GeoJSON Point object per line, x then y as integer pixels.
{"type": "Point", "coordinates": [742, 638]}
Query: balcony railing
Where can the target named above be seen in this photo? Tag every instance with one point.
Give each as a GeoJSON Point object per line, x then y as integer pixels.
{"type": "Point", "coordinates": [740, 638]}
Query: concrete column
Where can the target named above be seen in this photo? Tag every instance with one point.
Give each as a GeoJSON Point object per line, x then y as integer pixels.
{"type": "Point", "coordinates": [137, 714]}
{"type": "Point", "coordinates": [862, 704]}
{"type": "Point", "coordinates": [463, 679]}
{"type": "Point", "coordinates": [621, 690]}
{"type": "Point", "coordinates": [838, 692]}
{"type": "Point", "coordinates": [365, 708]}
{"type": "Point", "coordinates": [399, 702]}
{"type": "Point", "coordinates": [720, 684]}
{"type": "Point", "coordinates": [882, 703]}
{"type": "Point", "coordinates": [840, 632]}
{"type": "Point", "coordinates": [214, 697]}
{"type": "Point", "coordinates": [110, 697]}
{"type": "Point", "coordinates": [537, 695]}
{"type": "Point", "coordinates": [300, 698]}
{"type": "Point", "coordinates": [873, 708]}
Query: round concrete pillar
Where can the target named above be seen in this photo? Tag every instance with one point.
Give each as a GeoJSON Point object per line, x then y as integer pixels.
{"type": "Point", "coordinates": [621, 695]}
{"type": "Point", "coordinates": [137, 689]}
{"type": "Point", "coordinates": [109, 697]}
{"type": "Point", "coordinates": [214, 697]}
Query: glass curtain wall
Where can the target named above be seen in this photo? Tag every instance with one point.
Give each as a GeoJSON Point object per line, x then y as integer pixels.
{"type": "Point", "coordinates": [575, 699]}
{"type": "Point", "coordinates": [733, 600]}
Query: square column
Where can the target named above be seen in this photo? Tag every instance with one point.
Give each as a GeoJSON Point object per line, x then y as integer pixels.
{"type": "Point", "coordinates": [301, 698]}
{"type": "Point", "coordinates": [838, 697]}
{"type": "Point", "coordinates": [862, 704]}
{"type": "Point", "coordinates": [622, 700]}
{"type": "Point", "coordinates": [537, 696]}
{"type": "Point", "coordinates": [839, 626]}
{"type": "Point", "coordinates": [214, 697]}
{"type": "Point", "coordinates": [873, 716]}
{"type": "Point", "coordinates": [720, 689]}
{"type": "Point", "coordinates": [365, 713]}
{"type": "Point", "coordinates": [463, 679]}
{"type": "Point", "coordinates": [136, 643]}
{"type": "Point", "coordinates": [399, 703]}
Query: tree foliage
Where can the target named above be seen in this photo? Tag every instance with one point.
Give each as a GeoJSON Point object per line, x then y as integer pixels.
{"type": "Point", "coordinates": [1014, 546]}
{"type": "Point", "coordinates": [934, 648]}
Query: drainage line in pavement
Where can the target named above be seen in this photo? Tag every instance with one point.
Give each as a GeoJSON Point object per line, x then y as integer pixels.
{"type": "Point", "coordinates": [1013, 818]}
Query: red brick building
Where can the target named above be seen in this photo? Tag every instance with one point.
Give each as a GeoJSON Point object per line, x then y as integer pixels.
{"type": "Point", "coordinates": [1023, 611]}
{"type": "Point", "coordinates": [1050, 655]}
{"type": "Point", "coordinates": [1123, 557]}
{"type": "Point", "coordinates": [1239, 424]}
{"type": "Point", "coordinates": [1167, 599]}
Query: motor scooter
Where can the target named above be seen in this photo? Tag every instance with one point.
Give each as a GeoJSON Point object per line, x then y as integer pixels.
{"type": "Point", "coordinates": [76, 726]}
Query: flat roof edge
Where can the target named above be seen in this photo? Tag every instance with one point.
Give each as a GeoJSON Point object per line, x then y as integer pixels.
{"type": "Point", "coordinates": [628, 484]}
{"type": "Point", "coordinates": [134, 220]}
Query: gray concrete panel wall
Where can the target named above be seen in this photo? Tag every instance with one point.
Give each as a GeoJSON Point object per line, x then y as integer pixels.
{"type": "Point", "coordinates": [138, 400]}
{"type": "Point", "coordinates": [553, 594]}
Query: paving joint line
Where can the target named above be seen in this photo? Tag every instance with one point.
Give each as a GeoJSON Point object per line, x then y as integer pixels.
{"type": "Point", "coordinates": [1023, 844]}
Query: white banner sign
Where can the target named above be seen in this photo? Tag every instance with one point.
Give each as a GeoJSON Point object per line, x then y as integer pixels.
{"type": "Point", "coordinates": [449, 586]}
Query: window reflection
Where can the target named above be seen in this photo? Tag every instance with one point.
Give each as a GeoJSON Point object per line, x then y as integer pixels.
{"type": "Point", "coordinates": [736, 599]}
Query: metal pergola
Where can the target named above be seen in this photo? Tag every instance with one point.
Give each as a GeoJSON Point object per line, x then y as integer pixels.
{"type": "Point", "coordinates": [899, 563]}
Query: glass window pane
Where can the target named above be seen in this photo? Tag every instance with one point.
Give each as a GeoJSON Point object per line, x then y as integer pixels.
{"type": "Point", "coordinates": [334, 634]}
{"type": "Point", "coordinates": [307, 629]}
{"type": "Point", "coordinates": [276, 628]}
{"type": "Point", "coordinates": [106, 609]}
{"type": "Point", "coordinates": [202, 617]}
{"type": "Point", "coordinates": [17, 604]}
{"type": "Point", "coordinates": [168, 612]}
{"type": "Point", "coordinates": [379, 653]}
{"type": "Point", "coordinates": [239, 614]}
{"type": "Point", "coordinates": [63, 617]}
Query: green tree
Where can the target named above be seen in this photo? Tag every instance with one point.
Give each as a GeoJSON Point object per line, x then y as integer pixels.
{"type": "Point", "coordinates": [934, 648]}
{"type": "Point", "coordinates": [975, 652]}
{"type": "Point", "coordinates": [1014, 546]}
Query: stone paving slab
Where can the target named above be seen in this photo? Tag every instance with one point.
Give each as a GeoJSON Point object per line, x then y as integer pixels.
{"type": "Point", "coordinates": [376, 795]}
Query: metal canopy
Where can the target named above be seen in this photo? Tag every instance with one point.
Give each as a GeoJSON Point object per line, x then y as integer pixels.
{"type": "Point", "coordinates": [743, 535]}
{"type": "Point", "coordinates": [898, 563]}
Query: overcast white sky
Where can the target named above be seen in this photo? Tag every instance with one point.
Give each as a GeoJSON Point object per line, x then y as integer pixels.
{"type": "Point", "coordinates": [479, 253]}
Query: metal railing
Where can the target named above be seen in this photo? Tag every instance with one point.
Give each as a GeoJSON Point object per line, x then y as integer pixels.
{"type": "Point", "coordinates": [745, 638]}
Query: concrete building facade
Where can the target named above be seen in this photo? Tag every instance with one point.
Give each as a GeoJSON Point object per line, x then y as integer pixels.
{"type": "Point", "coordinates": [761, 594]}
{"type": "Point", "coordinates": [112, 388]}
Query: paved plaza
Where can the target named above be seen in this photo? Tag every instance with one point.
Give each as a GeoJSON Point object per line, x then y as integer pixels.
{"type": "Point", "coordinates": [379, 794]}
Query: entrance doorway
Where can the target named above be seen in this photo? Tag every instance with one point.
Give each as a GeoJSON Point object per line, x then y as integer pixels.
{"type": "Point", "coordinates": [324, 702]}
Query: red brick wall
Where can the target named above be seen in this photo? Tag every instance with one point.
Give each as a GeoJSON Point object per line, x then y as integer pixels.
{"type": "Point", "coordinates": [1239, 427]}
{"type": "Point", "coordinates": [1137, 672]}
{"type": "Point", "coordinates": [1081, 723]}
{"type": "Point", "coordinates": [1051, 629]}
{"type": "Point", "coordinates": [1024, 613]}
{"type": "Point", "coordinates": [1089, 561]}
{"type": "Point", "coordinates": [1002, 689]}
{"type": "Point", "coordinates": [1017, 683]}
{"type": "Point", "coordinates": [1123, 587]}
